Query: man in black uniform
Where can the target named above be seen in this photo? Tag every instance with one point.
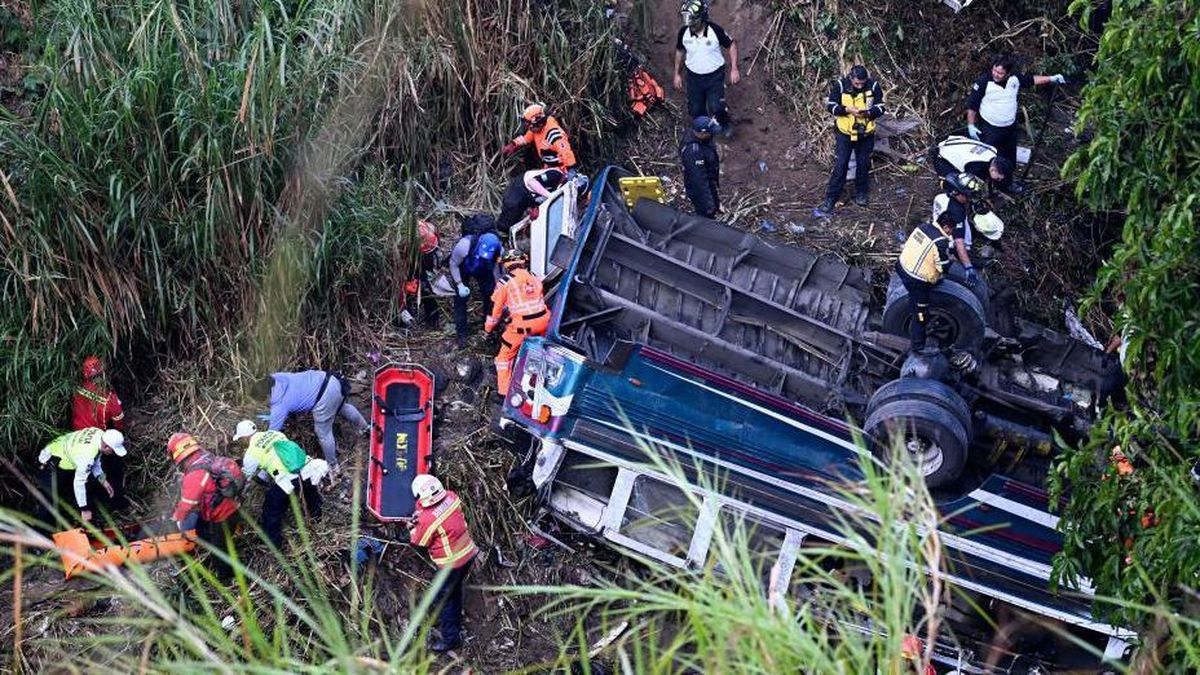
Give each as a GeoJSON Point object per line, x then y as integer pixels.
{"type": "Point", "coordinates": [930, 249]}
{"type": "Point", "coordinates": [525, 192]}
{"type": "Point", "coordinates": [855, 101]}
{"type": "Point", "coordinates": [702, 167]}
{"type": "Point", "coordinates": [957, 154]}
{"type": "Point", "coordinates": [992, 107]}
{"type": "Point", "coordinates": [699, 44]}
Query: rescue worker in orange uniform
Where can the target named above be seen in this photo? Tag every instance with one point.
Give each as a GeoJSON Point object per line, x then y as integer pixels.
{"type": "Point", "coordinates": [520, 292]}
{"type": "Point", "coordinates": [440, 525]}
{"type": "Point", "coordinates": [95, 405]}
{"type": "Point", "coordinates": [546, 136]}
{"type": "Point", "coordinates": [421, 283]}
{"type": "Point", "coordinates": [212, 487]}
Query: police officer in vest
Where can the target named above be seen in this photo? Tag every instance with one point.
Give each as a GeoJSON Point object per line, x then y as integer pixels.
{"type": "Point", "coordinates": [855, 101]}
{"type": "Point", "coordinates": [931, 248]}
{"type": "Point", "coordinates": [474, 256]}
{"type": "Point", "coordinates": [702, 167]}
{"type": "Point", "coordinates": [957, 154]}
{"type": "Point", "coordinates": [699, 46]}
{"type": "Point", "coordinates": [992, 107]}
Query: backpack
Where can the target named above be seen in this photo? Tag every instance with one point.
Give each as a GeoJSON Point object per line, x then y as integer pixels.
{"type": "Point", "coordinates": [485, 250]}
{"type": "Point", "coordinates": [292, 455]}
{"type": "Point", "coordinates": [228, 476]}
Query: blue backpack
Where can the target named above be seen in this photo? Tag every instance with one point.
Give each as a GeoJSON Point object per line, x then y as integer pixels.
{"type": "Point", "coordinates": [485, 249]}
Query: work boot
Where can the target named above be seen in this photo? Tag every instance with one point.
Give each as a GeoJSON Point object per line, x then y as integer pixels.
{"type": "Point", "coordinates": [441, 645]}
{"type": "Point", "coordinates": [861, 199]}
{"type": "Point", "coordinates": [826, 207]}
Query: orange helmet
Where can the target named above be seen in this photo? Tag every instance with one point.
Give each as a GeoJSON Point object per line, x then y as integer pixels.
{"type": "Point", "coordinates": [181, 446]}
{"type": "Point", "coordinates": [429, 238]}
{"type": "Point", "coordinates": [92, 366]}
{"type": "Point", "coordinates": [910, 647]}
{"type": "Point", "coordinates": [534, 115]}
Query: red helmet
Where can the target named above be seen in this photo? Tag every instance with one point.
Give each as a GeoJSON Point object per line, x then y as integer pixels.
{"type": "Point", "coordinates": [429, 238]}
{"type": "Point", "coordinates": [181, 446]}
{"type": "Point", "coordinates": [92, 366]}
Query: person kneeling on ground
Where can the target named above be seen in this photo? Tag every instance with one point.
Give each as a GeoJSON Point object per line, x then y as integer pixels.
{"type": "Point", "coordinates": [957, 154]}
{"type": "Point", "coordinates": [209, 497]}
{"type": "Point", "coordinates": [282, 466]}
{"type": "Point", "coordinates": [440, 525]}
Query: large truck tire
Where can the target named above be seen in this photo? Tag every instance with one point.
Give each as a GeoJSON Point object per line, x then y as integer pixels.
{"type": "Point", "coordinates": [930, 434]}
{"type": "Point", "coordinates": [920, 389]}
{"type": "Point", "coordinates": [957, 318]}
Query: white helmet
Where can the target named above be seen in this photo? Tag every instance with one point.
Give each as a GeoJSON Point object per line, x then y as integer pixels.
{"type": "Point", "coordinates": [115, 440]}
{"type": "Point", "coordinates": [244, 429]}
{"type": "Point", "coordinates": [427, 489]}
{"type": "Point", "coordinates": [989, 225]}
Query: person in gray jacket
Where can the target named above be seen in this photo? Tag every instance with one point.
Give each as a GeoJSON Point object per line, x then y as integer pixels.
{"type": "Point", "coordinates": [317, 391]}
{"type": "Point", "coordinates": [474, 256]}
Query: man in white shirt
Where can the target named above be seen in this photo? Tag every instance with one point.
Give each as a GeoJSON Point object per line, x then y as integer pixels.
{"type": "Point", "coordinates": [699, 46]}
{"type": "Point", "coordinates": [992, 105]}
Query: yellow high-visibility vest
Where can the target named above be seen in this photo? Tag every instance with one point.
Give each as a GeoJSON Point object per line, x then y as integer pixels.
{"type": "Point", "coordinates": [920, 257]}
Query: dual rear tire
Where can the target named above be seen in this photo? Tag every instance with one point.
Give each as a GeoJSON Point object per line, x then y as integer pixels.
{"type": "Point", "coordinates": [928, 421]}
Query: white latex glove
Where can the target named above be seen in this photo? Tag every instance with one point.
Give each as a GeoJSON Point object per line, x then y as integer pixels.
{"type": "Point", "coordinates": [973, 132]}
{"type": "Point", "coordinates": [1058, 79]}
{"type": "Point", "coordinates": [406, 317]}
{"type": "Point", "coordinates": [463, 291]}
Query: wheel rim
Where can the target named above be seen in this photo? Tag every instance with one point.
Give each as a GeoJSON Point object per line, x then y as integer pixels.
{"type": "Point", "coordinates": [942, 327]}
{"type": "Point", "coordinates": [925, 453]}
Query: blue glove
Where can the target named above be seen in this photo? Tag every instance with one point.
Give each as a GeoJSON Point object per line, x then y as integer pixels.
{"type": "Point", "coordinates": [463, 291]}
{"type": "Point", "coordinates": [1058, 79]}
{"type": "Point", "coordinates": [972, 276]}
{"type": "Point", "coordinates": [973, 131]}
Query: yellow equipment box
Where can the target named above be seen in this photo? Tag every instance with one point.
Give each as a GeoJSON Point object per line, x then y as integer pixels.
{"type": "Point", "coordinates": [634, 188]}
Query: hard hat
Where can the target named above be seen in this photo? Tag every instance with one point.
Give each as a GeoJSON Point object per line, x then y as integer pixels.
{"type": "Point", "coordinates": [989, 225]}
{"type": "Point", "coordinates": [514, 258]}
{"type": "Point", "coordinates": [92, 366]}
{"type": "Point", "coordinates": [705, 124]}
{"type": "Point", "coordinates": [694, 11]}
{"type": "Point", "coordinates": [428, 234]}
{"type": "Point", "coordinates": [489, 246]}
{"type": "Point", "coordinates": [965, 183]}
{"type": "Point", "coordinates": [534, 115]}
{"type": "Point", "coordinates": [115, 440]}
{"type": "Point", "coordinates": [244, 429]}
{"type": "Point", "coordinates": [427, 489]}
{"type": "Point", "coordinates": [910, 647]}
{"type": "Point", "coordinates": [181, 446]}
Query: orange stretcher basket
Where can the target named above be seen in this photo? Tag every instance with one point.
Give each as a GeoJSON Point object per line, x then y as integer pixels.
{"type": "Point", "coordinates": [81, 552]}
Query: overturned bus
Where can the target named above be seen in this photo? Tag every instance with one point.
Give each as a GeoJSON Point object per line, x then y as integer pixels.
{"type": "Point", "coordinates": [745, 360]}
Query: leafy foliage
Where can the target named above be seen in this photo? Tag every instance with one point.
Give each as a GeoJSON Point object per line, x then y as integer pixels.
{"type": "Point", "coordinates": [1133, 533]}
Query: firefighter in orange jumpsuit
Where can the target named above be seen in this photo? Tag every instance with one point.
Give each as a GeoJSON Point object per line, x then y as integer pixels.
{"type": "Point", "coordinates": [547, 137]}
{"type": "Point", "coordinates": [94, 404]}
{"type": "Point", "coordinates": [520, 293]}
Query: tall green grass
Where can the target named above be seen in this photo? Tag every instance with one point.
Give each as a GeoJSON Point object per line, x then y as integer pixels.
{"type": "Point", "coordinates": [198, 174]}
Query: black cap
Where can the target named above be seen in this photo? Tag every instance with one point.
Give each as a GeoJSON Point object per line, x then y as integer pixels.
{"type": "Point", "coordinates": [858, 72]}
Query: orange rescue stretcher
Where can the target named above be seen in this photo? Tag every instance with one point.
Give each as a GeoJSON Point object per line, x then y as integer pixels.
{"type": "Point", "coordinates": [401, 438]}
{"type": "Point", "coordinates": [82, 552]}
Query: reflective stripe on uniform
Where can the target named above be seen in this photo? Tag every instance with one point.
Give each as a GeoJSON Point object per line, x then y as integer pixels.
{"type": "Point", "coordinates": [863, 100]}
{"type": "Point", "coordinates": [437, 523]}
{"type": "Point", "coordinates": [91, 395]}
{"type": "Point", "coordinates": [920, 257]}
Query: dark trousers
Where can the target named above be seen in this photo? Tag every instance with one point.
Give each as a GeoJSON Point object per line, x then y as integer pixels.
{"type": "Point", "coordinates": [277, 506]}
{"type": "Point", "coordinates": [1004, 139]}
{"type": "Point", "coordinates": [862, 149]}
{"type": "Point", "coordinates": [516, 202]}
{"type": "Point", "coordinates": [706, 95]}
{"type": "Point", "coordinates": [428, 313]}
{"type": "Point", "coordinates": [114, 471]}
{"type": "Point", "coordinates": [58, 491]}
{"type": "Point", "coordinates": [918, 304]}
{"type": "Point", "coordinates": [486, 284]}
{"type": "Point", "coordinates": [220, 537]}
{"type": "Point", "coordinates": [448, 599]}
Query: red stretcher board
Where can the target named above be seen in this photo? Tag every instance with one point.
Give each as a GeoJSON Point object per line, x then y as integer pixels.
{"type": "Point", "coordinates": [401, 438]}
